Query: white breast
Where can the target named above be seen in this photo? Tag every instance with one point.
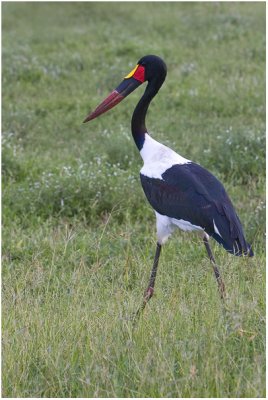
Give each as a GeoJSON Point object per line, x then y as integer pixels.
{"type": "Point", "coordinates": [158, 158]}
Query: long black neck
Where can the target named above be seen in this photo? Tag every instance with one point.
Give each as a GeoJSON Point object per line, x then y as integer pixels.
{"type": "Point", "coordinates": [138, 126]}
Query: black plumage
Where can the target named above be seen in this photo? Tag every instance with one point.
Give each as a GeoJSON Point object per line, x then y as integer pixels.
{"type": "Point", "coordinates": [191, 193]}
{"type": "Point", "coordinates": [182, 193]}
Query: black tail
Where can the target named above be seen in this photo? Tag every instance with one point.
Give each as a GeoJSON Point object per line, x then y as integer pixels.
{"type": "Point", "coordinates": [237, 247]}
{"type": "Point", "coordinates": [230, 232]}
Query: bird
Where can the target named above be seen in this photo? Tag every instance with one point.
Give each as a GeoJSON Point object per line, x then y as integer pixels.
{"type": "Point", "coordinates": [182, 193]}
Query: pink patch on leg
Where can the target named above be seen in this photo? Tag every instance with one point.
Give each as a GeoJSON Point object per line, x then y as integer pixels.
{"type": "Point", "coordinates": [149, 292]}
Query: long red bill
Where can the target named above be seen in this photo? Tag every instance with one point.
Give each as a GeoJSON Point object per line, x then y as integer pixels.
{"type": "Point", "coordinates": [114, 98]}
{"type": "Point", "coordinates": [121, 92]}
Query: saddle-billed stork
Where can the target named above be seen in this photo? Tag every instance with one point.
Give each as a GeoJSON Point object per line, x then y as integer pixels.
{"type": "Point", "coordinates": [182, 193]}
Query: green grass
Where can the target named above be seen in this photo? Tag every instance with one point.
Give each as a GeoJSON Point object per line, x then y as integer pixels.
{"type": "Point", "coordinates": [78, 235]}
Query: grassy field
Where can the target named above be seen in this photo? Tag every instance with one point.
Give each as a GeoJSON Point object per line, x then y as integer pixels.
{"type": "Point", "coordinates": [79, 237]}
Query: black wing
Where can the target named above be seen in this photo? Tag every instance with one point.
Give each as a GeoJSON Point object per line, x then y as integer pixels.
{"type": "Point", "coordinates": [192, 193]}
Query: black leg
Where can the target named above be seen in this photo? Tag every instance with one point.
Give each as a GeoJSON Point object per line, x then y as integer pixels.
{"type": "Point", "coordinates": [215, 268]}
{"type": "Point", "coordinates": [150, 290]}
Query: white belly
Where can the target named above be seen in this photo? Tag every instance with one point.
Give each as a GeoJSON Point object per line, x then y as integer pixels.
{"type": "Point", "coordinates": [166, 225]}
{"type": "Point", "coordinates": [186, 225]}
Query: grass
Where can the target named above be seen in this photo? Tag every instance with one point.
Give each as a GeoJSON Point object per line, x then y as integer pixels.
{"type": "Point", "coordinates": [78, 235]}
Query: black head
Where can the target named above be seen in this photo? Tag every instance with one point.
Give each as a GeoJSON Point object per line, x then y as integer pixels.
{"type": "Point", "coordinates": [149, 68]}
{"type": "Point", "coordinates": [155, 68]}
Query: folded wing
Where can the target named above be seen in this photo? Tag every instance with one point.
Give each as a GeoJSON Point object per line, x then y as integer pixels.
{"type": "Point", "coordinates": [192, 193]}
